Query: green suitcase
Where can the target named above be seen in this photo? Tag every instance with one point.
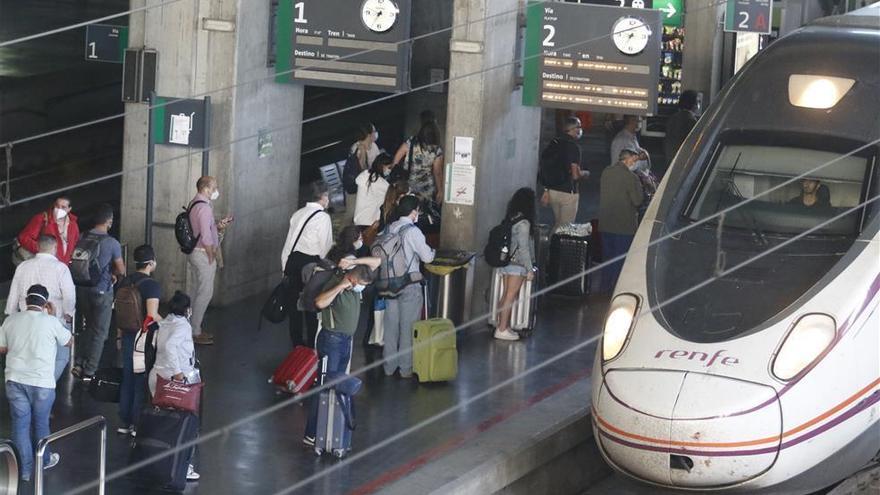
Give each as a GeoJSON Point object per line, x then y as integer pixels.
{"type": "Point", "coordinates": [434, 359]}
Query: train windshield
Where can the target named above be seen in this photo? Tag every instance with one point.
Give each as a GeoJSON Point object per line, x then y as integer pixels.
{"type": "Point", "coordinates": [826, 201]}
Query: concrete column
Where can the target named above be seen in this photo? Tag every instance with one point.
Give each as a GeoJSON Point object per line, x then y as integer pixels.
{"type": "Point", "coordinates": [260, 192]}
{"type": "Point", "coordinates": [487, 106]}
{"type": "Point", "coordinates": [702, 49]}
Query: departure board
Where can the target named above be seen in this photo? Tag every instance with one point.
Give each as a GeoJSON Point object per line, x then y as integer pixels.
{"type": "Point", "coordinates": [592, 57]}
{"type": "Point", "coordinates": [344, 44]}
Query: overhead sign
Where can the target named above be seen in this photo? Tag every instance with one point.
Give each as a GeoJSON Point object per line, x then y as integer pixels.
{"type": "Point", "coordinates": [749, 16]}
{"type": "Point", "coordinates": [105, 43]}
{"type": "Point", "coordinates": [672, 11]}
{"type": "Point", "coordinates": [344, 44]}
{"type": "Point", "coordinates": [592, 57]}
{"type": "Point", "coordinates": [180, 122]}
{"type": "Point", "coordinates": [635, 4]}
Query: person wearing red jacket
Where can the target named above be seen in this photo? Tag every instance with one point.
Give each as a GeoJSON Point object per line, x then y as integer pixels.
{"type": "Point", "coordinates": [57, 222]}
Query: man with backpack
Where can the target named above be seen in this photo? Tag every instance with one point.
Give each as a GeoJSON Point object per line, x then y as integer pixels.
{"type": "Point", "coordinates": [560, 171]}
{"type": "Point", "coordinates": [309, 239]}
{"type": "Point", "coordinates": [137, 299]}
{"type": "Point", "coordinates": [202, 260]}
{"type": "Point", "coordinates": [401, 249]}
{"type": "Point", "coordinates": [96, 265]}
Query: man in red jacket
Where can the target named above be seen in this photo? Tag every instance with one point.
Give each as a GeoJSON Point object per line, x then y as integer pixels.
{"type": "Point", "coordinates": [57, 222]}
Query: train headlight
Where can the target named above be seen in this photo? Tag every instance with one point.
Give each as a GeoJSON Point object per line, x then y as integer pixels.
{"type": "Point", "coordinates": [618, 324]}
{"type": "Point", "coordinates": [820, 92]}
{"type": "Point", "coordinates": [809, 337]}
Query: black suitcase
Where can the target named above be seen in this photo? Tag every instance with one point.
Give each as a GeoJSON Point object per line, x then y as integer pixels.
{"type": "Point", "coordinates": [105, 385]}
{"type": "Point", "coordinates": [158, 431]}
{"type": "Point", "coordinates": [569, 256]}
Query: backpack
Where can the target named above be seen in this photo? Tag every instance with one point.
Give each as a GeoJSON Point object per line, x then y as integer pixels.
{"type": "Point", "coordinates": [497, 250]}
{"type": "Point", "coordinates": [394, 273]}
{"type": "Point", "coordinates": [350, 172]}
{"type": "Point", "coordinates": [551, 172]}
{"type": "Point", "coordinates": [129, 305]}
{"type": "Point", "coordinates": [315, 278]}
{"type": "Point", "coordinates": [144, 356]}
{"type": "Point", "coordinates": [84, 267]}
{"type": "Point", "coordinates": [183, 230]}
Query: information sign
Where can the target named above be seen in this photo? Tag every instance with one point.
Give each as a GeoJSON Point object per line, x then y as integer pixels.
{"type": "Point", "coordinates": [749, 16]}
{"type": "Point", "coordinates": [313, 35]}
{"type": "Point", "coordinates": [179, 122]}
{"type": "Point", "coordinates": [105, 43]}
{"type": "Point", "coordinates": [592, 57]}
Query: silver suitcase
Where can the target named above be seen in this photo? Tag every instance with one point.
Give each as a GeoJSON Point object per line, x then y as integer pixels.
{"type": "Point", "coordinates": [522, 316]}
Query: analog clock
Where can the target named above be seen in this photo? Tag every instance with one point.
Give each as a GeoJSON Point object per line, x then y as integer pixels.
{"type": "Point", "coordinates": [379, 15]}
{"type": "Point", "coordinates": [630, 35]}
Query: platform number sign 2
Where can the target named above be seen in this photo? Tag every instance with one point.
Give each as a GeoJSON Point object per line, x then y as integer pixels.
{"type": "Point", "coordinates": [748, 16]}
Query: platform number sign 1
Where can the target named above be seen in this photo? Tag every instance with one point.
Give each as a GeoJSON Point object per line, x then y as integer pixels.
{"type": "Point", "coordinates": [105, 43]}
{"type": "Point", "coordinates": [748, 16]}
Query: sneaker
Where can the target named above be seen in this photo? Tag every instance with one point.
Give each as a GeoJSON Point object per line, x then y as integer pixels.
{"type": "Point", "coordinates": [309, 441]}
{"type": "Point", "coordinates": [76, 371]}
{"type": "Point", "coordinates": [203, 339]}
{"type": "Point", "coordinates": [133, 432]}
{"type": "Point", "coordinates": [191, 474]}
{"type": "Point", "coordinates": [53, 461]}
{"type": "Point", "coordinates": [506, 335]}
{"type": "Point", "coordinates": [125, 430]}
{"type": "Point", "coordinates": [406, 375]}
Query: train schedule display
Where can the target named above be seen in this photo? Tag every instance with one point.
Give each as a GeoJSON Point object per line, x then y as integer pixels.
{"type": "Point", "coordinates": [592, 57]}
{"type": "Point", "coordinates": [344, 44]}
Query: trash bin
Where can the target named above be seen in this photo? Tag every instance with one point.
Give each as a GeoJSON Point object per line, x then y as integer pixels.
{"type": "Point", "coordinates": [450, 282]}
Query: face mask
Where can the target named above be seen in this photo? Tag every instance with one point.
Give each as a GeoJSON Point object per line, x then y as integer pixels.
{"type": "Point", "coordinates": [59, 213]}
{"type": "Point", "coordinates": [358, 244]}
{"type": "Point", "coordinates": [359, 288]}
{"type": "Point", "coordinates": [215, 195]}
{"type": "Point", "coordinates": [189, 313]}
{"type": "Point", "coordinates": [375, 135]}
{"type": "Point", "coordinates": [580, 133]}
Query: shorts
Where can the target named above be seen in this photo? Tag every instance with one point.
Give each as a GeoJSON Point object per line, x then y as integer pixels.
{"type": "Point", "coordinates": [512, 269]}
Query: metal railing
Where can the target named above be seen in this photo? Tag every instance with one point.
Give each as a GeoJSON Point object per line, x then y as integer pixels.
{"type": "Point", "coordinates": [8, 469]}
{"type": "Point", "coordinates": [70, 430]}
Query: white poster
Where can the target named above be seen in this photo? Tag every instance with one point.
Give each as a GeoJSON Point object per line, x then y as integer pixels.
{"type": "Point", "coordinates": [181, 126]}
{"type": "Point", "coordinates": [461, 183]}
{"type": "Point", "coordinates": [463, 147]}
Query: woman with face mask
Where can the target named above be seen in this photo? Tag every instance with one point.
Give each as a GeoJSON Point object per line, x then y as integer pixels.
{"type": "Point", "coordinates": [58, 222]}
{"type": "Point", "coordinates": [362, 154]}
{"type": "Point", "coordinates": [372, 186]}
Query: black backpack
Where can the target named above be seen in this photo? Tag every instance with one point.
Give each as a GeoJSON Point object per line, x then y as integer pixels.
{"type": "Point", "coordinates": [84, 267]}
{"type": "Point", "coordinates": [552, 173]}
{"type": "Point", "coordinates": [497, 250]}
{"type": "Point", "coordinates": [315, 278]}
{"type": "Point", "coordinates": [183, 230]}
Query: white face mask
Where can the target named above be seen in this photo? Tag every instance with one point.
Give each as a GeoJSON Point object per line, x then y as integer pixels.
{"type": "Point", "coordinates": [580, 133]}
{"type": "Point", "coordinates": [215, 195]}
{"type": "Point", "coordinates": [359, 288]}
{"type": "Point", "coordinates": [375, 136]}
{"type": "Point", "coordinates": [358, 244]}
{"type": "Point", "coordinates": [60, 213]}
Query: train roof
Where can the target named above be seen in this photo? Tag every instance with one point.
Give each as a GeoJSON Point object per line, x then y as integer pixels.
{"type": "Point", "coordinates": [864, 18]}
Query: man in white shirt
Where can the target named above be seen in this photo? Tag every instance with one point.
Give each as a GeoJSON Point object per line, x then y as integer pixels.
{"type": "Point", "coordinates": [30, 340]}
{"type": "Point", "coordinates": [627, 139]}
{"type": "Point", "coordinates": [45, 269]}
{"type": "Point", "coordinates": [309, 239]}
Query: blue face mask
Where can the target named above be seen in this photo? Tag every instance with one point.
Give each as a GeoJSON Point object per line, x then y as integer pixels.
{"type": "Point", "coordinates": [359, 288]}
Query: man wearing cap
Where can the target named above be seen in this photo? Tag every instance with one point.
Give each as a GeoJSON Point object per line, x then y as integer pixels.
{"type": "Point", "coordinates": [620, 195]}
{"type": "Point", "coordinates": [30, 340]}
{"type": "Point", "coordinates": [131, 394]}
{"type": "Point", "coordinates": [46, 270]}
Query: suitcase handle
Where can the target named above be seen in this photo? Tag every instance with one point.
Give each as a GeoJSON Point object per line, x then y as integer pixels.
{"type": "Point", "coordinates": [416, 333]}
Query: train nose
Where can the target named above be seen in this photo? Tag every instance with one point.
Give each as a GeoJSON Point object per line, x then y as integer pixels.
{"type": "Point", "coordinates": [687, 429]}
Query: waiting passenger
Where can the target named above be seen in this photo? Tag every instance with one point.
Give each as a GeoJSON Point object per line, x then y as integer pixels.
{"type": "Point", "coordinates": [57, 222]}
{"type": "Point", "coordinates": [420, 161]}
{"type": "Point", "coordinates": [340, 305]}
{"type": "Point", "coordinates": [349, 252]}
{"type": "Point", "coordinates": [620, 195]}
{"type": "Point", "coordinates": [813, 194]}
{"type": "Point", "coordinates": [628, 139]}
{"type": "Point", "coordinates": [560, 173]}
{"type": "Point", "coordinates": [372, 187]}
{"type": "Point", "coordinates": [46, 270]}
{"type": "Point", "coordinates": [30, 340]}
{"type": "Point", "coordinates": [521, 213]}
{"type": "Point", "coordinates": [387, 212]}
{"type": "Point", "coordinates": [360, 159]}
{"type": "Point", "coordinates": [175, 351]}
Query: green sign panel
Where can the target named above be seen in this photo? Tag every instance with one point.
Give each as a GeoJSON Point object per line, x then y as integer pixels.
{"type": "Point", "coordinates": [105, 43]}
{"type": "Point", "coordinates": [673, 11]}
{"type": "Point", "coordinates": [749, 16]}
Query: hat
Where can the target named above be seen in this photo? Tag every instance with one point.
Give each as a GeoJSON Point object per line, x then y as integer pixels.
{"type": "Point", "coordinates": [626, 153]}
{"type": "Point", "coordinates": [38, 291]}
{"type": "Point", "coordinates": [144, 253]}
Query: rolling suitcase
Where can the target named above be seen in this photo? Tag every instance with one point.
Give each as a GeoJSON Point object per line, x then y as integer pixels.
{"type": "Point", "coordinates": [434, 359]}
{"type": "Point", "coordinates": [105, 385]}
{"type": "Point", "coordinates": [335, 418]}
{"type": "Point", "coordinates": [522, 314]}
{"type": "Point", "coordinates": [158, 431]}
{"type": "Point", "coordinates": [297, 372]}
{"type": "Point", "coordinates": [569, 256]}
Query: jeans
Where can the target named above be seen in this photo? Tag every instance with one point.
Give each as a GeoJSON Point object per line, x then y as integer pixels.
{"type": "Point", "coordinates": [336, 347]}
{"type": "Point", "coordinates": [613, 245]}
{"type": "Point", "coordinates": [201, 286]}
{"type": "Point", "coordinates": [400, 315]}
{"type": "Point", "coordinates": [131, 393]}
{"type": "Point", "coordinates": [29, 407]}
{"type": "Point", "coordinates": [62, 357]}
{"type": "Point", "coordinates": [299, 320]}
{"type": "Point", "coordinates": [97, 309]}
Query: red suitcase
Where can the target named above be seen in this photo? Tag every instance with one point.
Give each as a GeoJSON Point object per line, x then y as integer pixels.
{"type": "Point", "coordinates": [298, 371]}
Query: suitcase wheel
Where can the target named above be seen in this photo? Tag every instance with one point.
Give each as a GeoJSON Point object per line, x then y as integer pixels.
{"type": "Point", "coordinates": [339, 453]}
{"type": "Point", "coordinates": [319, 452]}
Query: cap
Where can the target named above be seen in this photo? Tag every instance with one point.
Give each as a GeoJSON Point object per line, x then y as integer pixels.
{"type": "Point", "coordinates": [38, 291]}
{"type": "Point", "coordinates": [144, 253]}
{"type": "Point", "coordinates": [627, 152]}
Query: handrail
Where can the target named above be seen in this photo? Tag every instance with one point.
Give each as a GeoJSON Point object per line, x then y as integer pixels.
{"type": "Point", "coordinates": [70, 430]}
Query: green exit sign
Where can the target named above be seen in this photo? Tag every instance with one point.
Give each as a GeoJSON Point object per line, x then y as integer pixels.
{"type": "Point", "coordinates": [672, 11]}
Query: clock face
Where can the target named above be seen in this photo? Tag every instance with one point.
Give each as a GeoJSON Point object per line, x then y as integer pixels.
{"type": "Point", "coordinates": [379, 15]}
{"type": "Point", "coordinates": [630, 35]}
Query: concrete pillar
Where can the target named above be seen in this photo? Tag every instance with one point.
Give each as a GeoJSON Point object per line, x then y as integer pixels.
{"type": "Point", "coordinates": [260, 192]}
{"type": "Point", "coordinates": [703, 33]}
{"type": "Point", "coordinates": [487, 106]}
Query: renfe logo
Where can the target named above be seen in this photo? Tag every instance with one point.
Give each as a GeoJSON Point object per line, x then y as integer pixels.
{"type": "Point", "coordinates": [699, 356]}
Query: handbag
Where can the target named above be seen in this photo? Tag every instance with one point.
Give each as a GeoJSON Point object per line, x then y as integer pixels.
{"type": "Point", "coordinates": [177, 395]}
{"type": "Point", "coordinates": [275, 308]}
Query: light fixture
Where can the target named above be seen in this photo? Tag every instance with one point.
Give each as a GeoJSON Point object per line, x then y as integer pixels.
{"type": "Point", "coordinates": [618, 324]}
{"type": "Point", "coordinates": [807, 339]}
{"type": "Point", "coordinates": [814, 91]}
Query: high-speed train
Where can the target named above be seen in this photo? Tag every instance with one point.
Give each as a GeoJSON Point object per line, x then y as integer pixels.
{"type": "Point", "coordinates": [765, 378]}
